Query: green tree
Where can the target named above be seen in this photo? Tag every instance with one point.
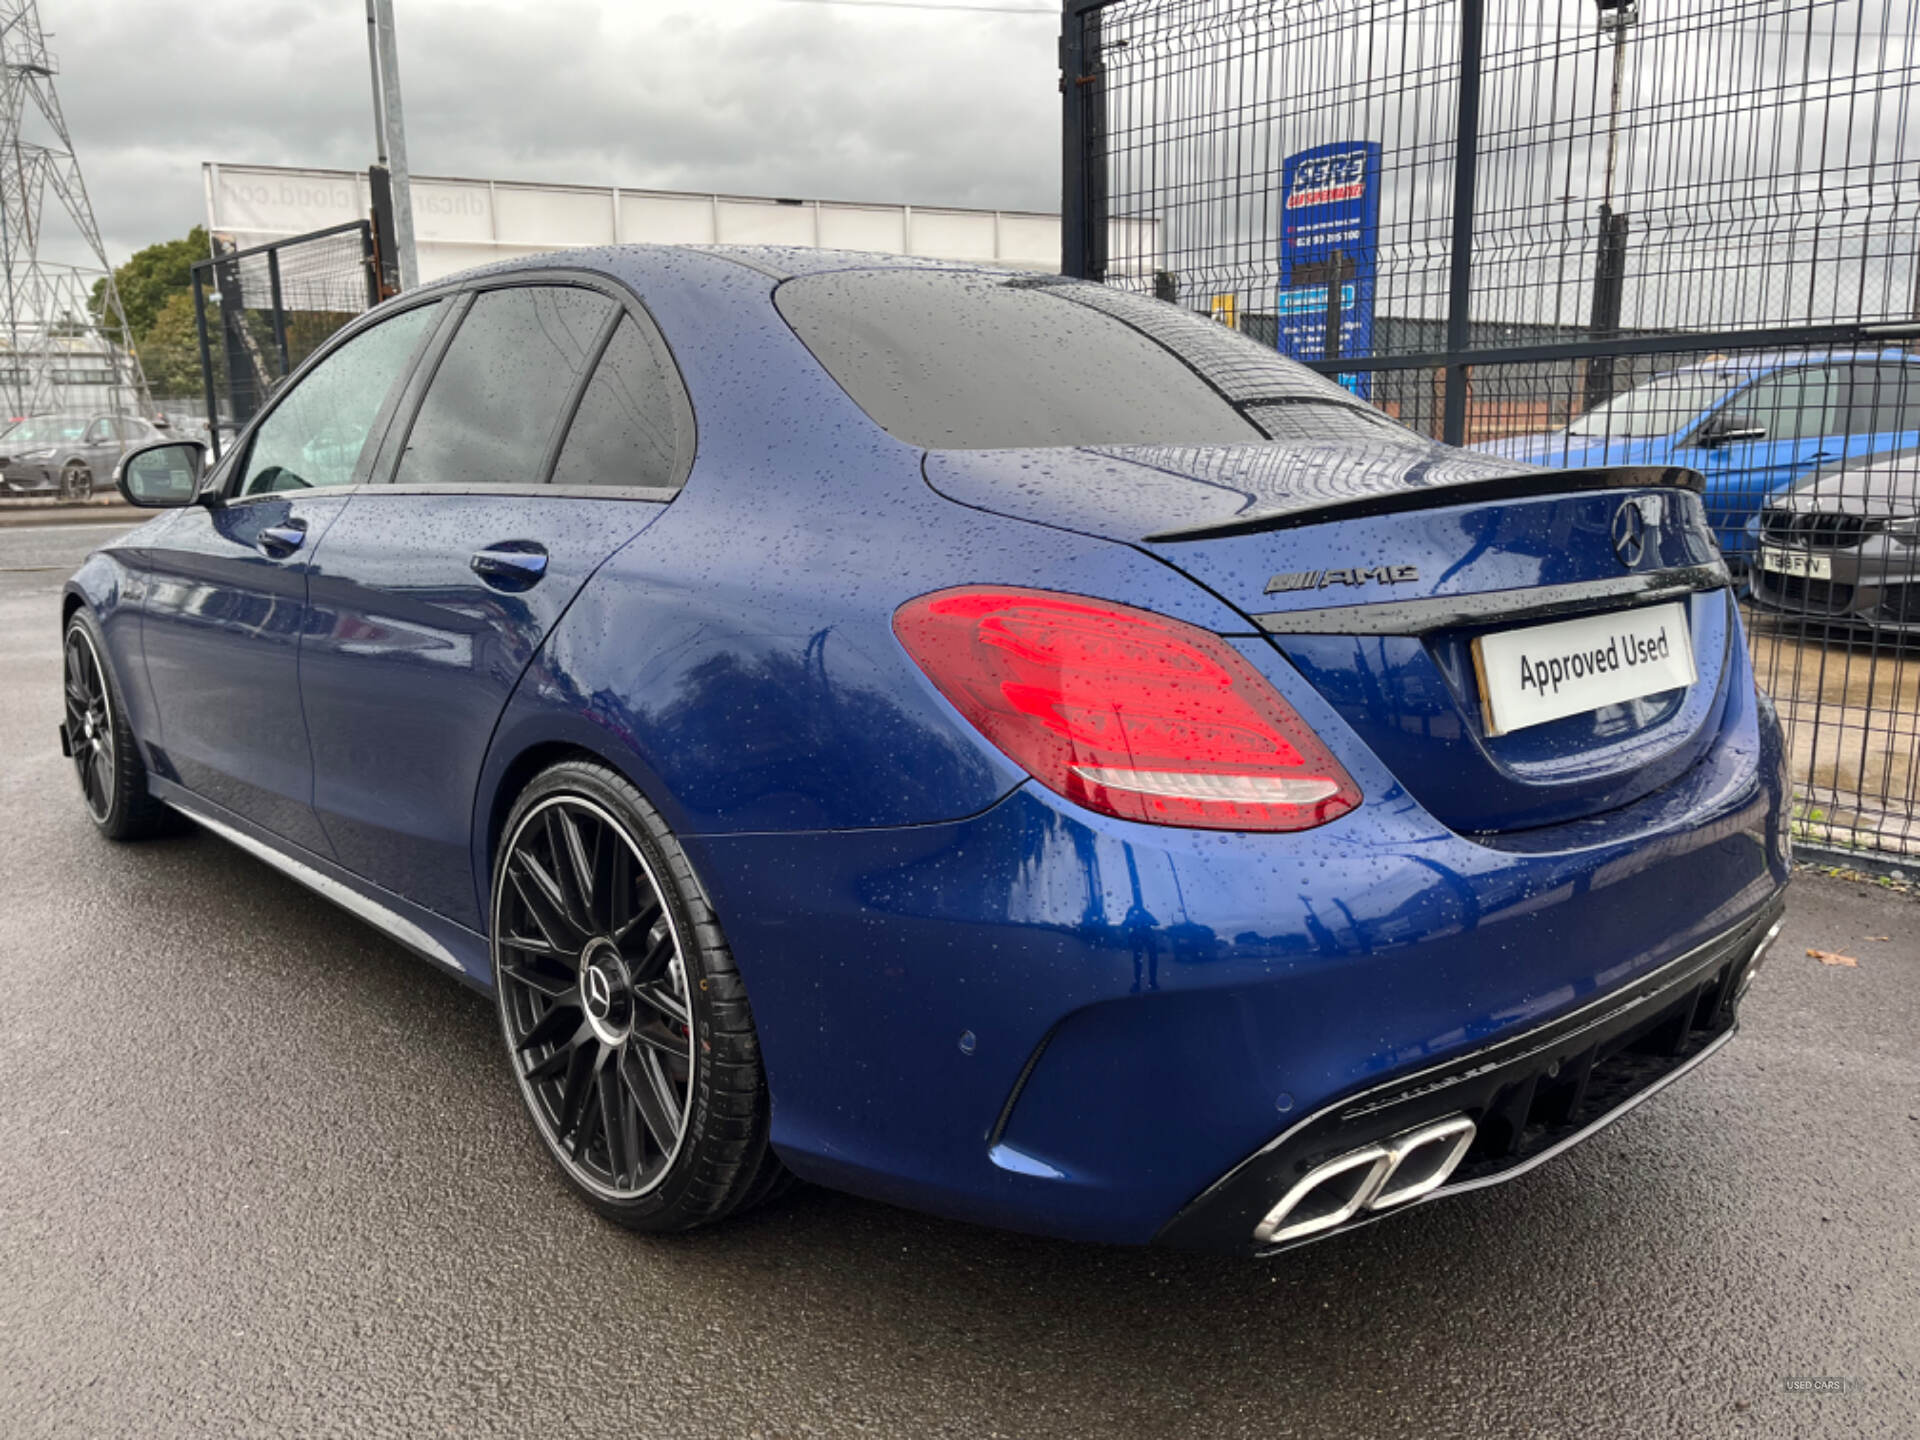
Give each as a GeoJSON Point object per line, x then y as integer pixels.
{"type": "Point", "coordinates": [152, 278]}
{"type": "Point", "coordinates": [170, 350]}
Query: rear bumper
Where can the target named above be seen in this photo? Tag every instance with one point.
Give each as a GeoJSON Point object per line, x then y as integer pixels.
{"type": "Point", "coordinates": [1528, 1098]}
{"type": "Point", "coordinates": [1044, 1019]}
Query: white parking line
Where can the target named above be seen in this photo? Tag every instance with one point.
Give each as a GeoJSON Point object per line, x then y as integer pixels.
{"type": "Point", "coordinates": [62, 528]}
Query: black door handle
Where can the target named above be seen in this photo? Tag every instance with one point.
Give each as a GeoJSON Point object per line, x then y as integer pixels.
{"type": "Point", "coordinates": [511, 565]}
{"type": "Point", "coordinates": [283, 540]}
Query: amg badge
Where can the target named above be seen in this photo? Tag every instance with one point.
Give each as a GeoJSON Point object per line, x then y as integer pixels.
{"type": "Point", "coordinates": [1358, 575]}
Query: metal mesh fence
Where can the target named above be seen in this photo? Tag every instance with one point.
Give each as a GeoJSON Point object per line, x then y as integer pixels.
{"type": "Point", "coordinates": [263, 311]}
{"type": "Point", "coordinates": [1576, 233]}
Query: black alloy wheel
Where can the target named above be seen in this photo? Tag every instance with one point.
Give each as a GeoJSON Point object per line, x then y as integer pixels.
{"type": "Point", "coordinates": [76, 482]}
{"type": "Point", "coordinates": [626, 1026]}
{"type": "Point", "coordinates": [90, 728]}
{"type": "Point", "coordinates": [106, 757]}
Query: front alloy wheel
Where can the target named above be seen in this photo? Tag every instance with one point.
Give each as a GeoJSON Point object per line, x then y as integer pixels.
{"type": "Point", "coordinates": [106, 756]}
{"type": "Point", "coordinates": [76, 482]}
{"type": "Point", "coordinates": [90, 731]}
{"type": "Point", "coordinates": [626, 1025]}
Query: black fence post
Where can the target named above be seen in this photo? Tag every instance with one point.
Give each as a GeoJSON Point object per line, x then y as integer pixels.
{"type": "Point", "coordinates": [1609, 286]}
{"type": "Point", "coordinates": [1093, 129]}
{"type": "Point", "coordinates": [206, 357]}
{"type": "Point", "coordinates": [1336, 301]}
{"type": "Point", "coordinates": [387, 273]}
{"type": "Point", "coordinates": [245, 383]}
{"type": "Point", "coordinates": [279, 312]}
{"type": "Point", "coordinates": [1466, 159]}
{"type": "Point", "coordinates": [371, 259]}
{"type": "Point", "coordinates": [1073, 144]}
{"type": "Point", "coordinates": [1083, 131]}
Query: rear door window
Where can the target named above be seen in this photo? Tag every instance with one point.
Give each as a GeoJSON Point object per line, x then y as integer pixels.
{"type": "Point", "coordinates": [1883, 399]}
{"type": "Point", "coordinates": [634, 427]}
{"type": "Point", "coordinates": [500, 392]}
{"type": "Point", "coordinates": [968, 360]}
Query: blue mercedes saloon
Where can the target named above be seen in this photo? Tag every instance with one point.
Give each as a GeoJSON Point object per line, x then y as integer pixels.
{"type": "Point", "coordinates": [974, 739]}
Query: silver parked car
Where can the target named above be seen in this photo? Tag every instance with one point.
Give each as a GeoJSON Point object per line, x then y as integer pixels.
{"type": "Point", "coordinates": [68, 456]}
{"type": "Point", "coordinates": [1844, 547]}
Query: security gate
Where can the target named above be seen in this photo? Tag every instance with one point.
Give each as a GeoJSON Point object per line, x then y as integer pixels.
{"type": "Point", "coordinates": [1577, 232]}
{"type": "Point", "coordinates": [261, 311]}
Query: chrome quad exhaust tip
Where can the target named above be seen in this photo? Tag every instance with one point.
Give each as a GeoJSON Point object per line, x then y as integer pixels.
{"type": "Point", "coordinates": [1374, 1177]}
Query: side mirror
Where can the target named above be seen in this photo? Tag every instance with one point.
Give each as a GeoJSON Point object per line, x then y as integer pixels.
{"type": "Point", "coordinates": [1730, 429]}
{"type": "Point", "coordinates": [161, 476]}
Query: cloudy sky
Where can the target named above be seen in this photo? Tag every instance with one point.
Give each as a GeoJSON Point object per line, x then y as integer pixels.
{"type": "Point", "coordinates": [750, 96]}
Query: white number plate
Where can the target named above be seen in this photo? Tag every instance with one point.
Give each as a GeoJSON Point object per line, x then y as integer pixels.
{"type": "Point", "coordinates": [1796, 562]}
{"type": "Point", "coordinates": [1547, 672]}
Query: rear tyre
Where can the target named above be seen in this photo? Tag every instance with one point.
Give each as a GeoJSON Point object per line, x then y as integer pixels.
{"type": "Point", "coordinates": [76, 482]}
{"type": "Point", "coordinates": [106, 757]}
{"type": "Point", "coordinates": [627, 1028]}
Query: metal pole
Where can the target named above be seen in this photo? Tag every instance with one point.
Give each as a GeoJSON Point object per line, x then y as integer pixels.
{"type": "Point", "coordinates": [206, 362]}
{"type": "Point", "coordinates": [279, 312]}
{"type": "Point", "coordinates": [396, 127]}
{"type": "Point", "coordinates": [1621, 20]}
{"type": "Point", "coordinates": [369, 259]}
{"type": "Point", "coordinates": [1610, 256]}
{"type": "Point", "coordinates": [379, 102]}
{"type": "Point", "coordinates": [1073, 144]}
{"type": "Point", "coordinates": [1336, 288]}
{"type": "Point", "coordinates": [1093, 132]}
{"type": "Point", "coordinates": [1466, 159]}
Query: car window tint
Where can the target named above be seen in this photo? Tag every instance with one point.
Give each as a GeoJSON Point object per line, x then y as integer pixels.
{"type": "Point", "coordinates": [314, 436]}
{"type": "Point", "coordinates": [1883, 399]}
{"type": "Point", "coordinates": [491, 410]}
{"type": "Point", "coordinates": [968, 361]}
{"type": "Point", "coordinates": [1790, 404]}
{"type": "Point", "coordinates": [628, 428]}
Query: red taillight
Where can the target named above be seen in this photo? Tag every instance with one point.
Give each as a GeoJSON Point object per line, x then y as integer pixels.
{"type": "Point", "coordinates": [1124, 711]}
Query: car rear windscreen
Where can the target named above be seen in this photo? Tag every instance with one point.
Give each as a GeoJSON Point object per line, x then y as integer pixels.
{"type": "Point", "coordinates": [966, 360]}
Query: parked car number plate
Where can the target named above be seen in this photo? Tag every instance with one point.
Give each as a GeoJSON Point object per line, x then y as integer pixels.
{"type": "Point", "coordinates": [1796, 562]}
{"type": "Point", "coordinates": [1548, 672]}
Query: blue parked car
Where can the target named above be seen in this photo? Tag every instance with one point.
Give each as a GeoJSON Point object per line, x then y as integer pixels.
{"type": "Point", "coordinates": [975, 739]}
{"type": "Point", "coordinates": [1753, 427]}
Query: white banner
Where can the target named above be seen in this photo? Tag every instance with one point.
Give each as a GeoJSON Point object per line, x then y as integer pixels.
{"type": "Point", "coordinates": [461, 223]}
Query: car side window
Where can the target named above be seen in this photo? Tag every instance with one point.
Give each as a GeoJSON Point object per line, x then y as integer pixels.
{"type": "Point", "coordinates": [1883, 399]}
{"type": "Point", "coordinates": [98, 433]}
{"type": "Point", "coordinates": [494, 403]}
{"type": "Point", "coordinates": [313, 438]}
{"type": "Point", "coordinates": [633, 427]}
{"type": "Point", "coordinates": [1790, 404]}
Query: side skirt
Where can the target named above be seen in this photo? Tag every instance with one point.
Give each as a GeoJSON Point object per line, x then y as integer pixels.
{"type": "Point", "coordinates": [451, 947]}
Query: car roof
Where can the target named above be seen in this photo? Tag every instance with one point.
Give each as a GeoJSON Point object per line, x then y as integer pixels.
{"type": "Point", "coordinates": [1781, 359]}
{"type": "Point", "coordinates": [777, 262]}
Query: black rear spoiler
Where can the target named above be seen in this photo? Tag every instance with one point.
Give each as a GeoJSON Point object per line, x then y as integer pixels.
{"type": "Point", "coordinates": [1522, 485]}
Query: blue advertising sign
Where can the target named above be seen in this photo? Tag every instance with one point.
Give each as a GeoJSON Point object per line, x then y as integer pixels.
{"type": "Point", "coordinates": [1329, 235]}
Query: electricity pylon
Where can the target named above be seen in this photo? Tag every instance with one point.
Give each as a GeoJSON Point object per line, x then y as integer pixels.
{"type": "Point", "coordinates": [62, 354]}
